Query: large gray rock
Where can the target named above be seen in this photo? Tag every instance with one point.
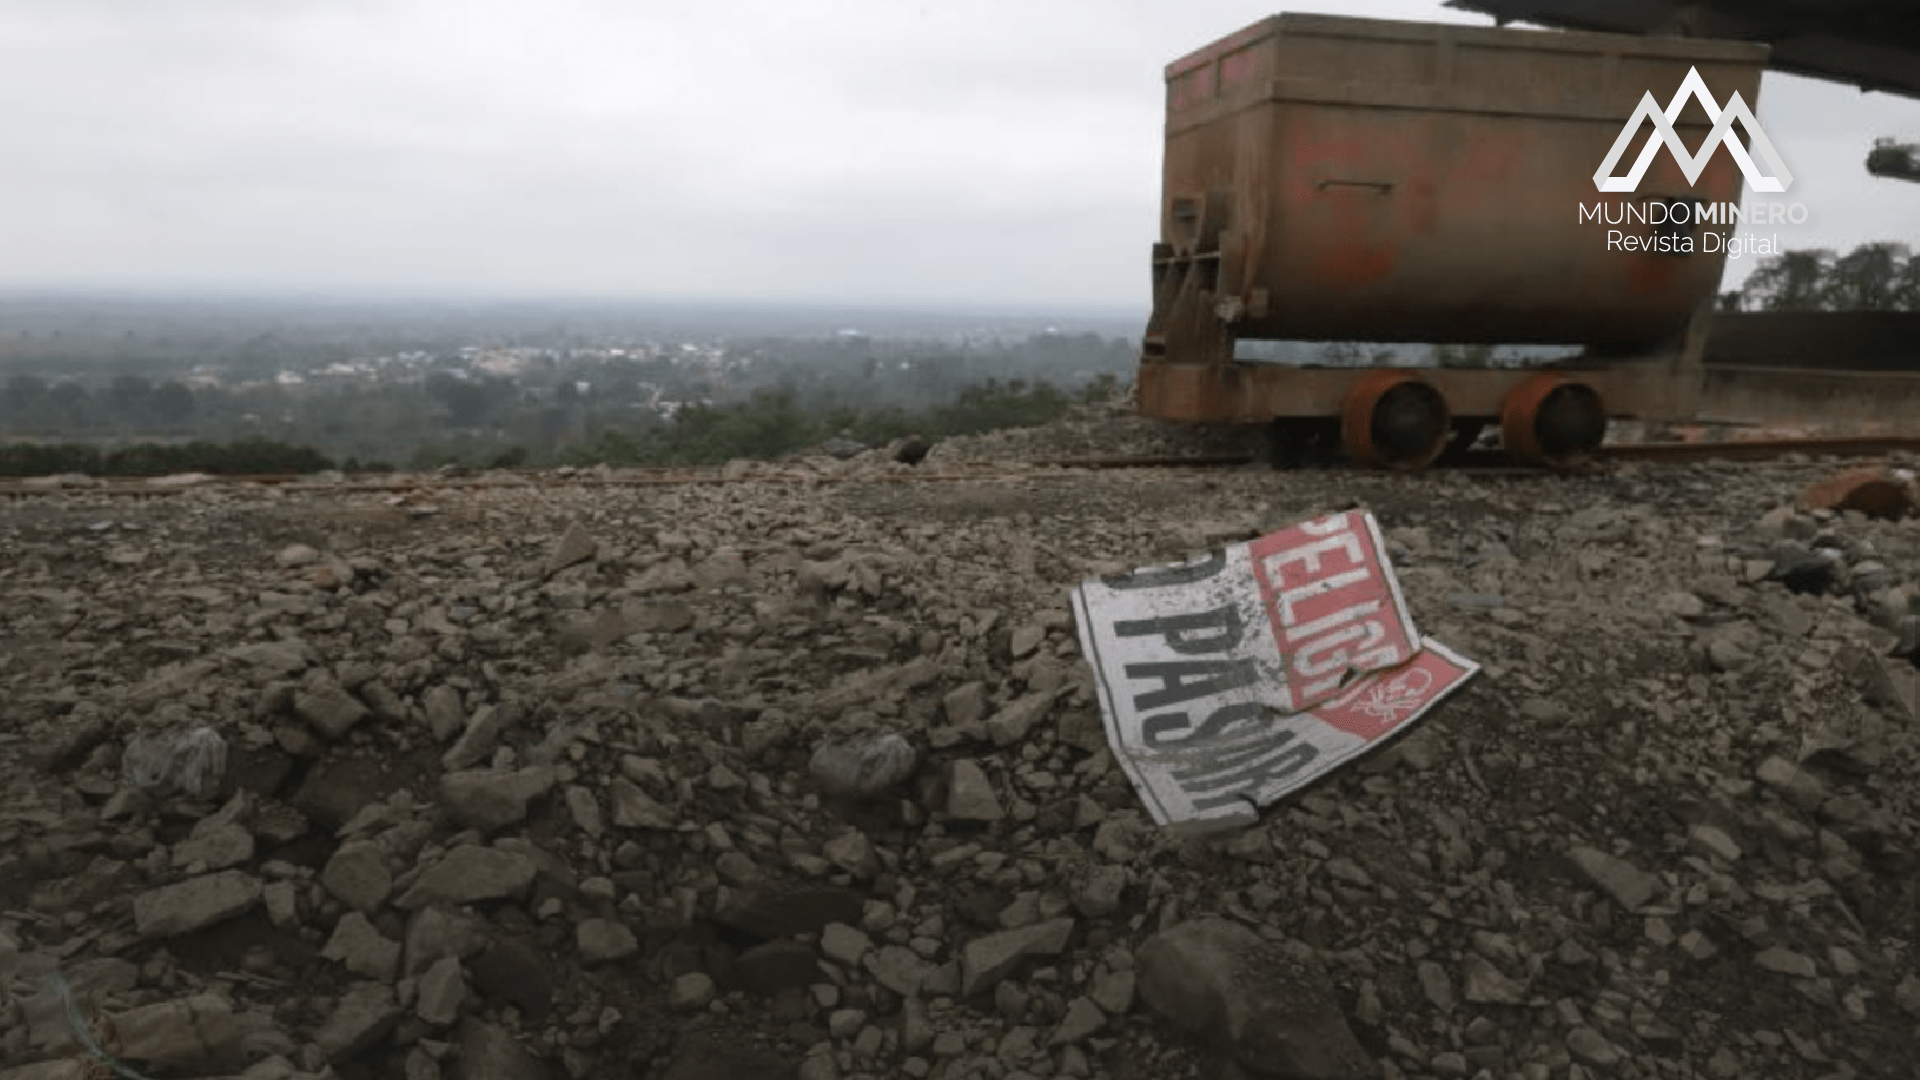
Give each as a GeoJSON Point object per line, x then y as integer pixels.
{"type": "Point", "coordinates": [192, 904]}
{"type": "Point", "coordinates": [215, 846]}
{"type": "Point", "coordinates": [477, 739]}
{"type": "Point", "coordinates": [635, 809]}
{"type": "Point", "coordinates": [970, 795]}
{"type": "Point", "coordinates": [446, 716]}
{"type": "Point", "coordinates": [435, 934]}
{"type": "Point", "coordinates": [363, 1017]}
{"type": "Point", "coordinates": [1096, 890]}
{"type": "Point", "coordinates": [329, 709]}
{"type": "Point", "coordinates": [220, 840]}
{"type": "Point", "coordinates": [965, 705]}
{"type": "Point", "coordinates": [469, 874]}
{"type": "Point", "coordinates": [1082, 1020]}
{"type": "Point", "coordinates": [362, 949]}
{"type": "Point", "coordinates": [1786, 962]}
{"type": "Point", "coordinates": [1271, 1005]}
{"type": "Point", "coordinates": [899, 969]}
{"type": "Point", "coordinates": [296, 555]}
{"type": "Point", "coordinates": [193, 1033]}
{"type": "Point", "coordinates": [269, 659]}
{"type": "Point", "coordinates": [1011, 724]}
{"type": "Point", "coordinates": [585, 810]}
{"type": "Point", "coordinates": [986, 960]}
{"type": "Point", "coordinates": [844, 945]}
{"type": "Point", "coordinates": [603, 941]}
{"type": "Point", "coordinates": [1892, 685]}
{"type": "Point", "coordinates": [572, 548]}
{"type": "Point", "coordinates": [1631, 886]}
{"type": "Point", "coordinates": [357, 875]}
{"type": "Point", "coordinates": [442, 990]}
{"type": "Point", "coordinates": [489, 1053]}
{"type": "Point", "coordinates": [489, 800]}
{"type": "Point", "coordinates": [1487, 984]}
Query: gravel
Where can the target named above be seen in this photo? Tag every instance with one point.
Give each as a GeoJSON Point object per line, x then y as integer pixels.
{"type": "Point", "coordinates": [804, 777]}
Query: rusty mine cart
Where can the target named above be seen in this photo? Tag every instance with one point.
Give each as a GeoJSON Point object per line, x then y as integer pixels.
{"type": "Point", "coordinates": [1337, 179]}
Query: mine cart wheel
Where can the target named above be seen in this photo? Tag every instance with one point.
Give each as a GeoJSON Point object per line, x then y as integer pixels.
{"type": "Point", "coordinates": [1554, 421]}
{"type": "Point", "coordinates": [1395, 420]}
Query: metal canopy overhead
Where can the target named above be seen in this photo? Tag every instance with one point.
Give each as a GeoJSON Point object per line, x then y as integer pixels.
{"type": "Point", "coordinates": [1872, 44]}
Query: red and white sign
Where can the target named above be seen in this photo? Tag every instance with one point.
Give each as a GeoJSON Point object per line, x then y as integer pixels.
{"type": "Point", "coordinates": [1333, 604]}
{"type": "Point", "coordinates": [1230, 681]}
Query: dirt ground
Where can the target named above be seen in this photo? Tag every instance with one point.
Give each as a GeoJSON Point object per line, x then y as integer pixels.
{"type": "Point", "coordinates": [521, 782]}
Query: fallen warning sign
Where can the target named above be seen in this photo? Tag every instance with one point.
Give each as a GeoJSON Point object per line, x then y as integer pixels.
{"type": "Point", "coordinates": [1228, 682]}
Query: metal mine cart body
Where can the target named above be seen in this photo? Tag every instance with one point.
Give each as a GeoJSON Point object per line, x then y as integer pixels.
{"type": "Point", "coordinates": [1335, 179]}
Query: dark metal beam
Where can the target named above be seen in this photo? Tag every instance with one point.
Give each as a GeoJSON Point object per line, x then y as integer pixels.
{"type": "Point", "coordinates": [1872, 44]}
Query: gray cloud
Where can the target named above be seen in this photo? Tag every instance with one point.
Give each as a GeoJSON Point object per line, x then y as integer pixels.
{"type": "Point", "coordinates": [992, 150]}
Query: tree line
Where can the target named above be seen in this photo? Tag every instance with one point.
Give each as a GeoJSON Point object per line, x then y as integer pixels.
{"type": "Point", "coordinates": [547, 407]}
{"type": "Point", "coordinates": [769, 425]}
{"type": "Point", "coordinates": [245, 457]}
{"type": "Point", "coordinates": [1871, 277]}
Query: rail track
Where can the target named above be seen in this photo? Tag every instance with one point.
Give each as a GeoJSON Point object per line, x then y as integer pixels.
{"type": "Point", "coordinates": [1482, 462]}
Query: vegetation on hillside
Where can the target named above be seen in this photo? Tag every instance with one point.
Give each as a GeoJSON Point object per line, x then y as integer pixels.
{"type": "Point", "coordinates": [246, 457]}
{"type": "Point", "coordinates": [475, 398]}
{"type": "Point", "coordinates": [1871, 277]}
{"type": "Point", "coordinates": [769, 425]}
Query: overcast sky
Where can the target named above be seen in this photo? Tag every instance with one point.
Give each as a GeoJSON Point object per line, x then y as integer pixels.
{"type": "Point", "coordinates": [947, 151]}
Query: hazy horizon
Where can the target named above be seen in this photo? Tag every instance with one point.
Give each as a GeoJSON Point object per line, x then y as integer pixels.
{"type": "Point", "coordinates": [132, 326]}
{"type": "Point", "coordinates": [317, 298]}
{"type": "Point", "coordinates": [852, 151]}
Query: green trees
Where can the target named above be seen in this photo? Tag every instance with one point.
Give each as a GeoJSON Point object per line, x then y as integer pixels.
{"type": "Point", "coordinates": [995, 405]}
{"type": "Point", "coordinates": [1874, 277]}
{"type": "Point", "coordinates": [22, 398]}
{"type": "Point", "coordinates": [128, 401]}
{"type": "Point", "coordinates": [766, 426]}
{"type": "Point", "coordinates": [772, 424]}
{"type": "Point", "coordinates": [468, 403]}
{"type": "Point", "coordinates": [246, 457]}
{"type": "Point", "coordinates": [1871, 277]}
{"type": "Point", "coordinates": [390, 386]}
{"type": "Point", "coordinates": [172, 404]}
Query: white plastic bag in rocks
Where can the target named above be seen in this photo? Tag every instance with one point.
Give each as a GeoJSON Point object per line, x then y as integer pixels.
{"type": "Point", "coordinates": [191, 761]}
{"type": "Point", "coordinates": [1228, 682]}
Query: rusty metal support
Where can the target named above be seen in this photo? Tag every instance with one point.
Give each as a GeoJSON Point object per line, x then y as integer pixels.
{"type": "Point", "coordinates": [1257, 393]}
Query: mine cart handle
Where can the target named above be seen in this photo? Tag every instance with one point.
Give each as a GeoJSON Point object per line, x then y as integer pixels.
{"type": "Point", "coordinates": [1384, 187]}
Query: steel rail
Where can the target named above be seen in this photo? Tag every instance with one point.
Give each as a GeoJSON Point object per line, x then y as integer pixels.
{"type": "Point", "coordinates": [1759, 450]}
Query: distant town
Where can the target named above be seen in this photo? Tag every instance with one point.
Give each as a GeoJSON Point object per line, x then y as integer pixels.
{"type": "Point", "coordinates": [423, 385]}
{"type": "Point", "coordinates": [433, 385]}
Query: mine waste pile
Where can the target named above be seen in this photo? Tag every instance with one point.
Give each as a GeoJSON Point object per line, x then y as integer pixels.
{"type": "Point", "coordinates": [794, 781]}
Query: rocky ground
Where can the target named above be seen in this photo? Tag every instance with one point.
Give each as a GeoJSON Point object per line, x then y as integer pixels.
{"type": "Point", "coordinates": [579, 781]}
{"type": "Point", "coordinates": [1108, 429]}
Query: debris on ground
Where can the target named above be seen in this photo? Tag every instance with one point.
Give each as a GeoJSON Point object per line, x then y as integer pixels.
{"type": "Point", "coordinates": [583, 781]}
{"type": "Point", "coordinates": [1878, 492]}
{"type": "Point", "coordinates": [1231, 681]}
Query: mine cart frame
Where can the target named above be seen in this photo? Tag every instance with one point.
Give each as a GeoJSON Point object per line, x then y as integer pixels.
{"type": "Point", "coordinates": [1335, 179]}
